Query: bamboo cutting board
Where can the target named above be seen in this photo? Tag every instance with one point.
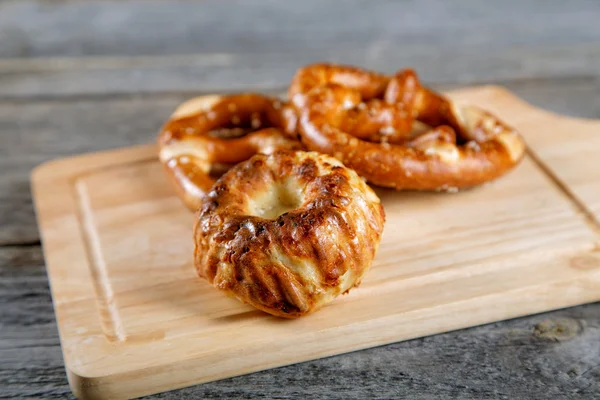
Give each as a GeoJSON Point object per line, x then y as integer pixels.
{"type": "Point", "coordinates": [134, 319]}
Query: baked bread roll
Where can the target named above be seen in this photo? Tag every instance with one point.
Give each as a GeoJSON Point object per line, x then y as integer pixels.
{"type": "Point", "coordinates": [288, 232]}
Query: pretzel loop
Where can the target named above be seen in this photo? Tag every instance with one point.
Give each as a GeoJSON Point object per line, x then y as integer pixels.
{"type": "Point", "coordinates": [207, 135]}
{"type": "Point", "coordinates": [398, 134]}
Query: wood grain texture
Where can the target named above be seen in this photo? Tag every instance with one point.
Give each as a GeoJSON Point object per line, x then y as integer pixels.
{"type": "Point", "coordinates": [58, 78]}
{"type": "Point", "coordinates": [74, 48]}
{"type": "Point", "coordinates": [109, 84]}
{"type": "Point", "coordinates": [31, 363]}
{"type": "Point", "coordinates": [572, 161]}
{"type": "Point", "coordinates": [134, 319]}
{"type": "Point", "coordinates": [36, 29]}
{"type": "Point", "coordinates": [551, 355]}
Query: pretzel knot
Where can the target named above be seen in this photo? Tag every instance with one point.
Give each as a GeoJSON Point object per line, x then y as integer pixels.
{"type": "Point", "coordinates": [397, 133]}
{"type": "Point", "coordinates": [207, 135]}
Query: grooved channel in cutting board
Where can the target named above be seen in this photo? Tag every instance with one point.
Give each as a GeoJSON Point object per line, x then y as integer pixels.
{"type": "Point", "coordinates": [111, 323]}
{"type": "Point", "coordinates": [565, 148]}
{"type": "Point", "coordinates": [586, 211]}
{"type": "Point", "coordinates": [141, 251]}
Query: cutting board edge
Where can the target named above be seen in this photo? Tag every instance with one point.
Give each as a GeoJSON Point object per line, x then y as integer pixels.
{"type": "Point", "coordinates": [62, 168]}
{"type": "Point", "coordinates": [85, 385]}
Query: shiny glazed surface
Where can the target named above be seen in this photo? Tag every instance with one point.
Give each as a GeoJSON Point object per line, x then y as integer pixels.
{"type": "Point", "coordinates": [399, 134]}
{"type": "Point", "coordinates": [288, 232]}
{"type": "Point", "coordinates": [209, 134]}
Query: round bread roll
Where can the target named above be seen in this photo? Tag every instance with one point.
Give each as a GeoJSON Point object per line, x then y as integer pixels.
{"type": "Point", "coordinates": [288, 232]}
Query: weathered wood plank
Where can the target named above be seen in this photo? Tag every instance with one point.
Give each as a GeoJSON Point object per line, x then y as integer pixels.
{"type": "Point", "coordinates": [159, 48]}
{"type": "Point", "coordinates": [30, 356]}
{"type": "Point", "coordinates": [41, 28]}
{"type": "Point", "coordinates": [156, 46]}
{"type": "Point", "coordinates": [553, 355]}
{"type": "Point", "coordinates": [52, 78]}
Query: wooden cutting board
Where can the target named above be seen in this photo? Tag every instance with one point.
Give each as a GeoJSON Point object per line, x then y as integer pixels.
{"type": "Point", "coordinates": [134, 319]}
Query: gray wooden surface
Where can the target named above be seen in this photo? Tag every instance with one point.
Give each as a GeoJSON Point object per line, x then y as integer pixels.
{"type": "Point", "coordinates": [82, 76]}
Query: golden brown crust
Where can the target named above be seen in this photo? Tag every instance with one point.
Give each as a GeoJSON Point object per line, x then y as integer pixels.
{"type": "Point", "coordinates": [192, 147]}
{"type": "Point", "coordinates": [368, 84]}
{"type": "Point", "coordinates": [462, 146]}
{"type": "Point", "coordinates": [288, 232]}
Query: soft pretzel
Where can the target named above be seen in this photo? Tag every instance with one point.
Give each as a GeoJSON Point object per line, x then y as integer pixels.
{"type": "Point", "coordinates": [428, 143]}
{"type": "Point", "coordinates": [288, 232]}
{"type": "Point", "coordinates": [193, 147]}
{"type": "Point", "coordinates": [373, 119]}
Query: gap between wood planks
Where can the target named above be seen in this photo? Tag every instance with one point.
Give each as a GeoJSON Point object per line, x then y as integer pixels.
{"type": "Point", "coordinates": [20, 243]}
{"type": "Point", "coordinates": [279, 90]}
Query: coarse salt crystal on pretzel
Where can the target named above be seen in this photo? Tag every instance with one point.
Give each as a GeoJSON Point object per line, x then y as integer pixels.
{"type": "Point", "coordinates": [288, 232]}
{"type": "Point", "coordinates": [192, 144]}
{"type": "Point", "coordinates": [368, 121]}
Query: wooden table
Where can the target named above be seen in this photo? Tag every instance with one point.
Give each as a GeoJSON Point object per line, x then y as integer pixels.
{"type": "Point", "coordinates": [81, 76]}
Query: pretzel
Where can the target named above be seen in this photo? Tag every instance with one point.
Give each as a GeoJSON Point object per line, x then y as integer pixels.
{"type": "Point", "coordinates": [374, 120]}
{"type": "Point", "coordinates": [287, 233]}
{"type": "Point", "coordinates": [207, 135]}
{"type": "Point", "coordinates": [429, 143]}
